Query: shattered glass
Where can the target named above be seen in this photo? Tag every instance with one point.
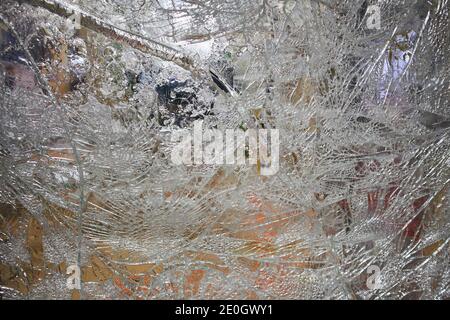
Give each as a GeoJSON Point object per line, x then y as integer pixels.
{"type": "Point", "coordinates": [91, 92]}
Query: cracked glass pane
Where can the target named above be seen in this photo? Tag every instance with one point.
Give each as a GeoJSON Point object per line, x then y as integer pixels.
{"type": "Point", "coordinates": [210, 149]}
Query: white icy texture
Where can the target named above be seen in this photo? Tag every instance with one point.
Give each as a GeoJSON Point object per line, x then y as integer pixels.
{"type": "Point", "coordinates": [364, 148]}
